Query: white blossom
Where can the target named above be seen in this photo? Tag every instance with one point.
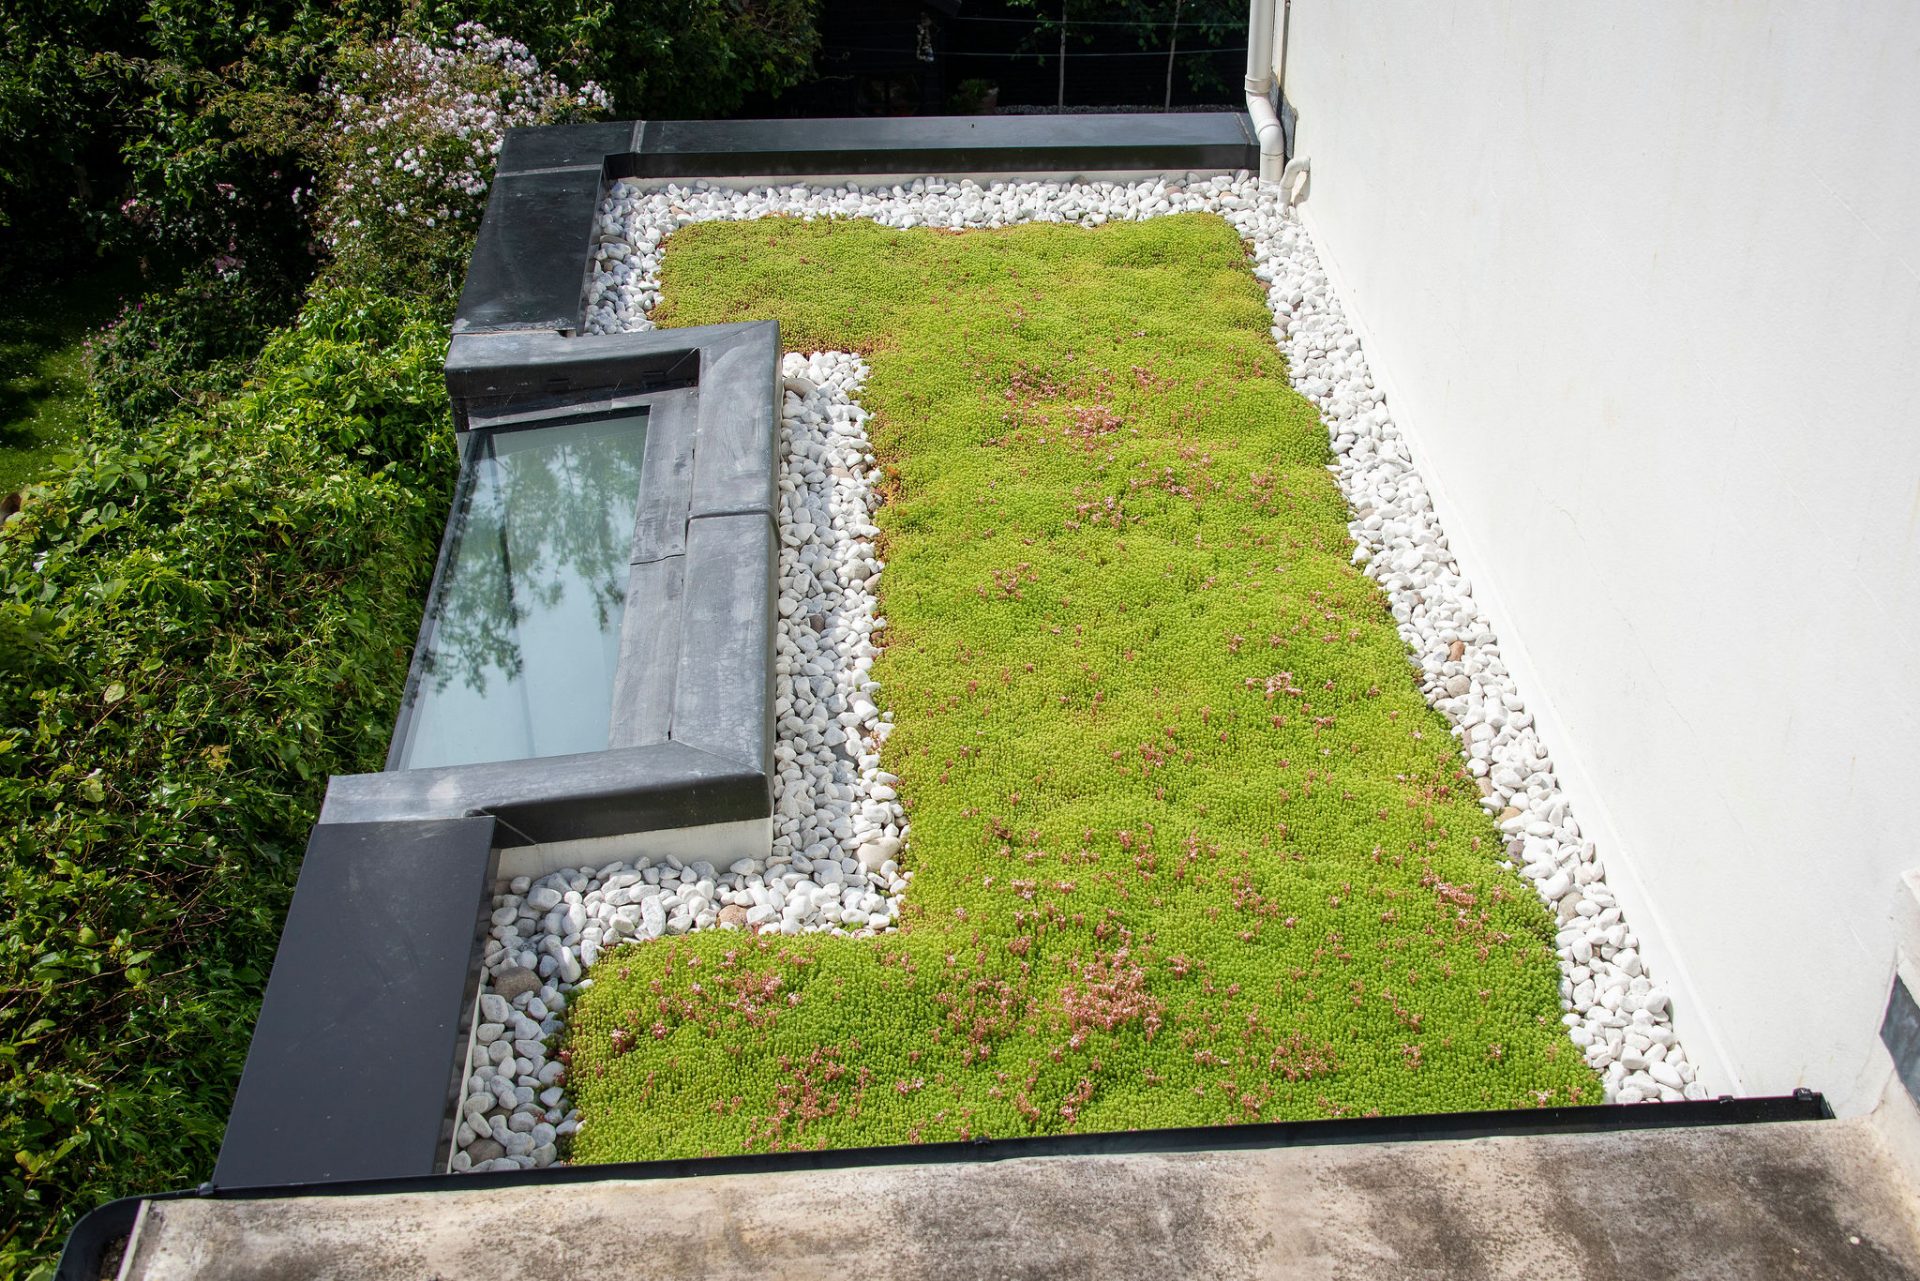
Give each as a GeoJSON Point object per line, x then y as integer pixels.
{"type": "Point", "coordinates": [421, 123]}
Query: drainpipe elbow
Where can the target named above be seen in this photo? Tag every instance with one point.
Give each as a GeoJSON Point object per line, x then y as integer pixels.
{"type": "Point", "coordinates": [1272, 139]}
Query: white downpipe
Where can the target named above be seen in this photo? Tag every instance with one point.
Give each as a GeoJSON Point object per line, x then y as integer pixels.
{"type": "Point", "coordinates": [1260, 46]}
{"type": "Point", "coordinates": [1273, 142]}
{"type": "Point", "coordinates": [1266, 124]}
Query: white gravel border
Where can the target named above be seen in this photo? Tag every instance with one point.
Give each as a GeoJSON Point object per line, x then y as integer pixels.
{"type": "Point", "coordinates": [1614, 1011]}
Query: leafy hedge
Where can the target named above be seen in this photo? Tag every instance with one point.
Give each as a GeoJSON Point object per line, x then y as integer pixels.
{"type": "Point", "coordinates": [666, 59]}
{"type": "Point", "coordinates": [210, 609]}
{"type": "Point", "coordinates": [185, 126]}
{"type": "Point", "coordinates": [415, 127]}
{"type": "Point", "coordinates": [203, 618]}
{"type": "Point", "coordinates": [184, 346]}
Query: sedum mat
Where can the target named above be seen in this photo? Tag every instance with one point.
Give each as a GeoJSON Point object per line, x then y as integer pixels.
{"type": "Point", "coordinates": [1189, 847]}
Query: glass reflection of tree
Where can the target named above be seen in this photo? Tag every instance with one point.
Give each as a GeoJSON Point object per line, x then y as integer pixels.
{"type": "Point", "coordinates": [550, 510]}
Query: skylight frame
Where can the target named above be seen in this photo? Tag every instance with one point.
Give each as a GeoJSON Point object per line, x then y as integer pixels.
{"type": "Point", "coordinates": [691, 737]}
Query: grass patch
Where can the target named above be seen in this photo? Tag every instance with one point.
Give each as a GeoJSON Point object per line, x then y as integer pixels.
{"type": "Point", "coordinates": [1189, 846]}
{"type": "Point", "coordinates": [43, 377]}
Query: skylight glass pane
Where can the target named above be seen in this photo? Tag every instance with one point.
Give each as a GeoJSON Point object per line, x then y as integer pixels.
{"type": "Point", "coordinates": [526, 629]}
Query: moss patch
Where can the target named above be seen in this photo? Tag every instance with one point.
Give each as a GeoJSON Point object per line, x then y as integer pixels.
{"type": "Point", "coordinates": [1189, 847]}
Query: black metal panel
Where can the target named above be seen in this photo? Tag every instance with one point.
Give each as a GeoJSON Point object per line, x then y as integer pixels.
{"type": "Point", "coordinates": [649, 670]}
{"type": "Point", "coordinates": [538, 147]}
{"type": "Point", "coordinates": [695, 789]}
{"type": "Point", "coordinates": [563, 798]}
{"type": "Point", "coordinates": [354, 1068]}
{"type": "Point", "coordinates": [673, 434]}
{"type": "Point", "coordinates": [737, 469]}
{"type": "Point", "coordinates": [1900, 1033]}
{"type": "Point", "coordinates": [530, 260]}
{"type": "Point", "coordinates": [1051, 144]}
{"type": "Point", "coordinates": [727, 622]}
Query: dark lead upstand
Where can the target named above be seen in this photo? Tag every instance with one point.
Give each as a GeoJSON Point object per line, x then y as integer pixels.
{"type": "Point", "coordinates": [663, 717]}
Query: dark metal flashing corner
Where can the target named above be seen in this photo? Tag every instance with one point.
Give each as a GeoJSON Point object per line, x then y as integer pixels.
{"type": "Point", "coordinates": [692, 734]}
{"type": "Point", "coordinates": [354, 1067]}
{"type": "Point", "coordinates": [530, 265]}
{"type": "Point", "coordinates": [531, 260]}
{"type": "Point", "coordinates": [1900, 1033]}
{"type": "Point", "coordinates": [542, 148]}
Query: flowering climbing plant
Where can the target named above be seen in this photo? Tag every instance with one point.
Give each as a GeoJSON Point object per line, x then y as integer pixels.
{"type": "Point", "coordinates": [417, 127]}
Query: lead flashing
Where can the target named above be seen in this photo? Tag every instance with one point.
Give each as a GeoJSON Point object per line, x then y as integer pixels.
{"type": "Point", "coordinates": [353, 1072]}
{"type": "Point", "coordinates": [530, 264]}
{"type": "Point", "coordinates": [692, 731]}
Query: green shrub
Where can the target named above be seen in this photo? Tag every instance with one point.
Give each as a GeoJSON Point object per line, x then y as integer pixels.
{"type": "Point", "coordinates": [971, 97]}
{"type": "Point", "coordinates": [183, 346]}
{"type": "Point", "coordinates": [663, 59]}
{"type": "Point", "coordinates": [202, 618]}
{"type": "Point", "coordinates": [178, 128]}
{"type": "Point", "coordinates": [416, 126]}
{"type": "Point", "coordinates": [185, 127]}
{"type": "Point", "coordinates": [211, 609]}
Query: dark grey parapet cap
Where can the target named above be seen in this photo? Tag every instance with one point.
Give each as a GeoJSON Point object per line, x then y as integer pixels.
{"type": "Point", "coordinates": [354, 1070]}
{"type": "Point", "coordinates": [1064, 145]}
{"type": "Point", "coordinates": [531, 262]}
{"type": "Point", "coordinates": [691, 738]}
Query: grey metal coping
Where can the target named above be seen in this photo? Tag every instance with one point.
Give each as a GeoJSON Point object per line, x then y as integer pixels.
{"type": "Point", "coordinates": [691, 740]}
{"type": "Point", "coordinates": [529, 265]}
{"type": "Point", "coordinates": [354, 1068]}
{"type": "Point", "coordinates": [1062, 144]}
{"type": "Point", "coordinates": [1114, 142]}
{"type": "Point", "coordinates": [530, 261]}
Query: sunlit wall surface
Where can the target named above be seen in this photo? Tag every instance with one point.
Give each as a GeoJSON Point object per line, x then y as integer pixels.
{"type": "Point", "coordinates": [1642, 284]}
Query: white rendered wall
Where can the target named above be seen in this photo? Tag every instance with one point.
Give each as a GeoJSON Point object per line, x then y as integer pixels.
{"type": "Point", "coordinates": [1642, 283]}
